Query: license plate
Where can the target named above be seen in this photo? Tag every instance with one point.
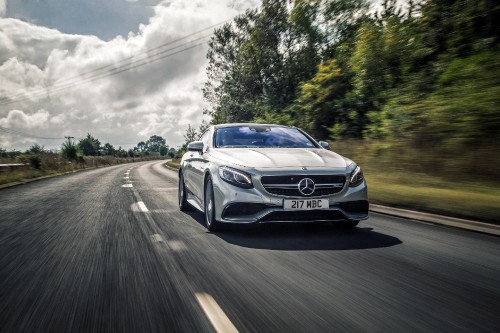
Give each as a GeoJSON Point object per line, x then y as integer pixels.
{"type": "Point", "coordinates": [305, 204]}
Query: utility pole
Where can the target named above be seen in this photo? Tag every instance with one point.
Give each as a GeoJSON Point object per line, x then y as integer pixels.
{"type": "Point", "coordinates": [69, 138]}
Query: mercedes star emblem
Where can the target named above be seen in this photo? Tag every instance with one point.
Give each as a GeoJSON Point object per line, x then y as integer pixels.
{"type": "Point", "coordinates": [306, 186]}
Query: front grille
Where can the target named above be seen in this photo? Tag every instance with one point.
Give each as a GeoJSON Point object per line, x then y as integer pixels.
{"type": "Point", "coordinates": [288, 185]}
{"type": "Point", "coordinates": [303, 216]}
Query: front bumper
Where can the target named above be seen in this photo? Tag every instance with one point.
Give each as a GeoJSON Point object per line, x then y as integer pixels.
{"type": "Point", "coordinates": [256, 205]}
{"type": "Point", "coordinates": [260, 213]}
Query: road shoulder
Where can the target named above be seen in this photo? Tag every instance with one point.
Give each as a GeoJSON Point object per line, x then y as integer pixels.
{"type": "Point", "coordinates": [476, 226]}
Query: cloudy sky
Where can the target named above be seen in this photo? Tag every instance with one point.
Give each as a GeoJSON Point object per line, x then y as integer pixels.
{"type": "Point", "coordinates": [121, 70]}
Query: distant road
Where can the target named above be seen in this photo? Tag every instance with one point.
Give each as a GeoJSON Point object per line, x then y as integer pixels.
{"type": "Point", "coordinates": [107, 250]}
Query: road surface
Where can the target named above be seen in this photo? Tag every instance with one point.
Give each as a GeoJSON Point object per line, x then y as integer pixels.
{"type": "Point", "coordinates": [107, 250]}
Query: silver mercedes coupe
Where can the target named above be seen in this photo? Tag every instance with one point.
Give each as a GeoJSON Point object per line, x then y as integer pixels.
{"type": "Point", "coordinates": [260, 173]}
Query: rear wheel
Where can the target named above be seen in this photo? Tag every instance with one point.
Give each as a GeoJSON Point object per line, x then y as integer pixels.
{"type": "Point", "coordinates": [183, 204]}
{"type": "Point", "coordinates": [210, 222]}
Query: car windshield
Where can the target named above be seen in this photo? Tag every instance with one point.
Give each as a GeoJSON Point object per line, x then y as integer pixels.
{"type": "Point", "coordinates": [261, 136]}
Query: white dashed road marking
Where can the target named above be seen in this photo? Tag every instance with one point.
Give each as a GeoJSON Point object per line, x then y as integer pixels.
{"type": "Point", "coordinates": [212, 310]}
{"type": "Point", "coordinates": [156, 238]}
{"type": "Point", "coordinates": [217, 317]}
{"type": "Point", "coordinates": [143, 207]}
{"type": "Point", "coordinates": [176, 245]}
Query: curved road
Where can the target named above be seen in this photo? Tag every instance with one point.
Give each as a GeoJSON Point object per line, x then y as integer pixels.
{"type": "Point", "coordinates": [107, 250]}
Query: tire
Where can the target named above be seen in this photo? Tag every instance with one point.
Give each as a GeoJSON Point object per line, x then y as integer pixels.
{"type": "Point", "coordinates": [182, 195]}
{"type": "Point", "coordinates": [210, 222]}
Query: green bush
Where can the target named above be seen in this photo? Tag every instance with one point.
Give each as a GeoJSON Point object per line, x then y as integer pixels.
{"type": "Point", "coordinates": [69, 150]}
{"type": "Point", "coordinates": [33, 160]}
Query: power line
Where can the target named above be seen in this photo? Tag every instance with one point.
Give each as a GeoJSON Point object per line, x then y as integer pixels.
{"type": "Point", "coordinates": [12, 131]}
{"type": "Point", "coordinates": [145, 52]}
{"type": "Point", "coordinates": [66, 83]}
{"type": "Point", "coordinates": [120, 69]}
{"type": "Point", "coordinates": [113, 65]}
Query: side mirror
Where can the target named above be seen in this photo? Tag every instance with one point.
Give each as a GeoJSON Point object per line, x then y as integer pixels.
{"type": "Point", "coordinates": [324, 144]}
{"type": "Point", "coordinates": [195, 146]}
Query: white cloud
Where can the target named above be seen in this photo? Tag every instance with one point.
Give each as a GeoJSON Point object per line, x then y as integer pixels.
{"type": "Point", "coordinates": [21, 120]}
{"type": "Point", "coordinates": [53, 76]}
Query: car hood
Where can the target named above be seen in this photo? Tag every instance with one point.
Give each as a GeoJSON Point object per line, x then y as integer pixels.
{"type": "Point", "coordinates": [279, 157]}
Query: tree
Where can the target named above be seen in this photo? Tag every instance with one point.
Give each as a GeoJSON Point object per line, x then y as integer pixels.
{"type": "Point", "coordinates": [154, 143]}
{"type": "Point", "coordinates": [35, 149]}
{"type": "Point", "coordinates": [320, 103]}
{"type": "Point", "coordinates": [163, 150]}
{"type": "Point", "coordinates": [366, 63]}
{"type": "Point", "coordinates": [191, 135]}
{"type": "Point", "coordinates": [132, 153]}
{"type": "Point", "coordinates": [335, 67]}
{"type": "Point", "coordinates": [141, 146]}
{"type": "Point", "coordinates": [256, 63]}
{"type": "Point", "coordinates": [108, 150]}
{"type": "Point", "coordinates": [340, 20]}
{"type": "Point", "coordinates": [222, 71]}
{"type": "Point", "coordinates": [122, 152]}
{"type": "Point", "coordinates": [203, 127]}
{"type": "Point", "coordinates": [89, 145]}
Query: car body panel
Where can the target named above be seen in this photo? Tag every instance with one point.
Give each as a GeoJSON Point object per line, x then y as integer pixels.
{"type": "Point", "coordinates": [279, 157]}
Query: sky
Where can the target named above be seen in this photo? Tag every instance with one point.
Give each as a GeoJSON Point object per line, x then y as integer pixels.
{"type": "Point", "coordinates": [121, 70]}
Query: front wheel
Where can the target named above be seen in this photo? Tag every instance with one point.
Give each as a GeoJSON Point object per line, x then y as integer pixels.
{"type": "Point", "coordinates": [183, 204]}
{"type": "Point", "coordinates": [210, 222]}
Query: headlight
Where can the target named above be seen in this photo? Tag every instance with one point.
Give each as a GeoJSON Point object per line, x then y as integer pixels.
{"type": "Point", "coordinates": [356, 177]}
{"type": "Point", "coordinates": [235, 177]}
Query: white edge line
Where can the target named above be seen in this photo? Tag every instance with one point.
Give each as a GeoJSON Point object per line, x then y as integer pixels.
{"type": "Point", "coordinates": [142, 207]}
{"type": "Point", "coordinates": [217, 317]}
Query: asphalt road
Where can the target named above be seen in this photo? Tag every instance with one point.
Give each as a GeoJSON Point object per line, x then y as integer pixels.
{"type": "Point", "coordinates": [107, 250]}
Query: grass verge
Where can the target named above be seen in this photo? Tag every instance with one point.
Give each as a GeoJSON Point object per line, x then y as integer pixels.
{"type": "Point", "coordinates": [173, 164]}
{"type": "Point", "coordinates": [427, 179]}
{"type": "Point", "coordinates": [424, 193]}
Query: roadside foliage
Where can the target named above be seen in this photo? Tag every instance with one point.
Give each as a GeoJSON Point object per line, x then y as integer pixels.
{"type": "Point", "coordinates": [88, 152]}
{"type": "Point", "coordinates": [409, 87]}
